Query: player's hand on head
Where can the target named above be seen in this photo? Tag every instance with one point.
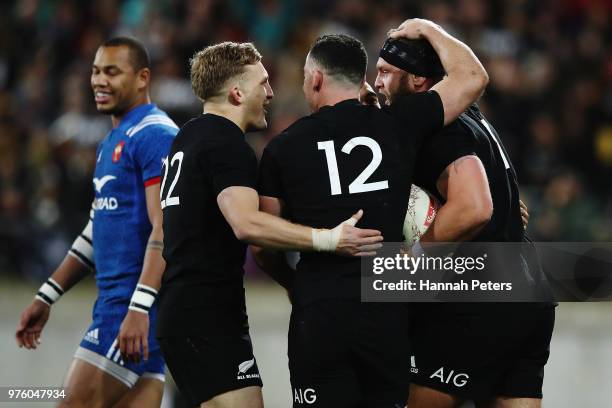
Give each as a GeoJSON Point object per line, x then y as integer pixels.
{"type": "Point", "coordinates": [133, 337]}
{"type": "Point", "coordinates": [524, 214]}
{"type": "Point", "coordinates": [411, 29]}
{"type": "Point", "coordinates": [356, 241]}
{"type": "Point", "coordinates": [31, 324]}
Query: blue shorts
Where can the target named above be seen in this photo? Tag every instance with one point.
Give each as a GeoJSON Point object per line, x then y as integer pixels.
{"type": "Point", "coordinates": [99, 345]}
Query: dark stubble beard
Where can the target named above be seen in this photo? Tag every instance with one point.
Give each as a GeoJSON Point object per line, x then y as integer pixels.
{"type": "Point", "coordinates": [402, 89]}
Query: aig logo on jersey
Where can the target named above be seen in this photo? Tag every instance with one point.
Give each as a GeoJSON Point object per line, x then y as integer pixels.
{"type": "Point", "coordinates": [117, 151]}
{"type": "Point", "coordinates": [307, 396]}
{"type": "Point", "coordinates": [458, 380]}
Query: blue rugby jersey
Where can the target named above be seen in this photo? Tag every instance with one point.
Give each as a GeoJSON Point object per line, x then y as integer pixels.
{"type": "Point", "coordinates": [128, 160]}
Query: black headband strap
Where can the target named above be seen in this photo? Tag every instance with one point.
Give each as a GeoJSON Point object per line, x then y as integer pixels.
{"type": "Point", "coordinates": [415, 56]}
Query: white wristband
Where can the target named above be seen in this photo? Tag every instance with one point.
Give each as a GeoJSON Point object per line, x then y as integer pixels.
{"type": "Point", "coordinates": [142, 299]}
{"type": "Point", "coordinates": [324, 240]}
{"type": "Point", "coordinates": [49, 292]}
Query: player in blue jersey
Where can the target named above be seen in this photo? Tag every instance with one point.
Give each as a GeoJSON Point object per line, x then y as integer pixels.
{"type": "Point", "coordinates": [119, 362]}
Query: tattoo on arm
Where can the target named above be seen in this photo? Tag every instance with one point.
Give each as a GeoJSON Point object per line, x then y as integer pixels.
{"type": "Point", "coordinates": [442, 182]}
{"type": "Point", "coordinates": [157, 245]}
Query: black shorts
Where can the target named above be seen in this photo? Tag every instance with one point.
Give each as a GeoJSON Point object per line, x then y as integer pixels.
{"type": "Point", "coordinates": [479, 351]}
{"type": "Point", "coordinates": [206, 366]}
{"type": "Point", "coordinates": [345, 353]}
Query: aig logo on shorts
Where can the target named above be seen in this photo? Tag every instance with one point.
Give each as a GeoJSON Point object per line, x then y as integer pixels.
{"type": "Point", "coordinates": [458, 380]}
{"type": "Point", "coordinates": [307, 396]}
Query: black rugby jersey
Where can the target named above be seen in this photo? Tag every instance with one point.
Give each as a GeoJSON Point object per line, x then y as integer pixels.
{"type": "Point", "coordinates": [204, 258]}
{"type": "Point", "coordinates": [472, 134]}
{"type": "Point", "coordinates": [338, 160]}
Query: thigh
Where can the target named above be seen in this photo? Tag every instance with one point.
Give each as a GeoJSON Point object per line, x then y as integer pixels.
{"type": "Point", "coordinates": [89, 386]}
{"type": "Point", "coordinates": [204, 367]}
{"type": "Point", "coordinates": [147, 392]}
{"type": "Point", "coordinates": [249, 397]}
{"type": "Point", "coordinates": [319, 359]}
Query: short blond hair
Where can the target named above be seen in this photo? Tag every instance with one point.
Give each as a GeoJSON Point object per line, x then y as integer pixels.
{"type": "Point", "coordinates": [213, 66]}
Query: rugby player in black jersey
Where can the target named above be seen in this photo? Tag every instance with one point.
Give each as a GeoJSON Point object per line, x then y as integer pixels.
{"type": "Point", "coordinates": [342, 352]}
{"type": "Point", "coordinates": [209, 206]}
{"type": "Point", "coordinates": [491, 353]}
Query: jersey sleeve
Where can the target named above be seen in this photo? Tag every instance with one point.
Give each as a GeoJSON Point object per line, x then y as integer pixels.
{"type": "Point", "coordinates": [269, 182]}
{"type": "Point", "coordinates": [421, 114]}
{"type": "Point", "coordinates": [440, 150]}
{"type": "Point", "coordinates": [150, 147]}
{"type": "Point", "coordinates": [231, 164]}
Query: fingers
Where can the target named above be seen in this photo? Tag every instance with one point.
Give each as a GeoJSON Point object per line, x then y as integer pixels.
{"type": "Point", "coordinates": [354, 218]}
{"type": "Point", "coordinates": [145, 348]}
{"type": "Point", "coordinates": [19, 335]}
{"type": "Point", "coordinates": [31, 340]}
{"type": "Point", "coordinates": [369, 248]}
{"type": "Point", "coordinates": [127, 348]}
{"type": "Point", "coordinates": [369, 239]}
{"type": "Point", "coordinates": [130, 348]}
{"type": "Point", "coordinates": [135, 355]}
{"type": "Point", "coordinates": [18, 339]}
{"type": "Point", "coordinates": [369, 233]}
{"type": "Point", "coordinates": [360, 254]}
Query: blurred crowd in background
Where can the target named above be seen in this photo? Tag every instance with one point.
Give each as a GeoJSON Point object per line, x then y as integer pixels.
{"type": "Point", "coordinates": [550, 96]}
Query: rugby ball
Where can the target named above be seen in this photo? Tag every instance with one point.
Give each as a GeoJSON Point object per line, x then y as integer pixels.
{"type": "Point", "coordinates": [422, 209]}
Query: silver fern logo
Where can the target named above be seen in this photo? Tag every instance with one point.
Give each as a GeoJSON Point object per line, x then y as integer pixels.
{"type": "Point", "coordinates": [245, 366]}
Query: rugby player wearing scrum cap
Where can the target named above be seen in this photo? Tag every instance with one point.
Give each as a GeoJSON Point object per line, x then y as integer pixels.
{"type": "Point", "coordinates": [491, 353]}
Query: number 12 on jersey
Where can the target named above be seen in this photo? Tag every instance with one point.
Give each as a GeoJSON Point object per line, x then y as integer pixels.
{"type": "Point", "coordinates": [170, 200]}
{"type": "Point", "coordinates": [359, 185]}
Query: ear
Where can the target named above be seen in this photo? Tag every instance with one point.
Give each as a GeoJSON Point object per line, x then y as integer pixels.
{"type": "Point", "coordinates": [419, 81]}
{"type": "Point", "coordinates": [143, 78]}
{"type": "Point", "coordinates": [317, 80]}
{"type": "Point", "coordinates": [235, 95]}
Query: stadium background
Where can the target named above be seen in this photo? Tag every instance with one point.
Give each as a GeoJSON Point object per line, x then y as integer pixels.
{"type": "Point", "coordinates": [550, 97]}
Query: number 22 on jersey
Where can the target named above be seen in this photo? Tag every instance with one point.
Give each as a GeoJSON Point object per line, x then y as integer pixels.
{"type": "Point", "coordinates": [359, 185]}
{"type": "Point", "coordinates": [170, 199]}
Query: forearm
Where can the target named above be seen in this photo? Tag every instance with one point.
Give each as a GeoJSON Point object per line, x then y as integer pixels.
{"type": "Point", "coordinates": [153, 264]}
{"type": "Point", "coordinates": [70, 272]}
{"type": "Point", "coordinates": [457, 58]}
{"type": "Point", "coordinates": [454, 224]}
{"type": "Point", "coordinates": [266, 230]}
{"type": "Point", "coordinates": [79, 260]}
